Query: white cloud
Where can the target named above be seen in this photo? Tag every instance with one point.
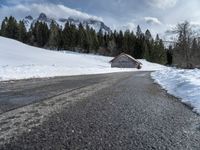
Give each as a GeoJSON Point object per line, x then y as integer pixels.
{"type": "Point", "coordinates": [195, 24]}
{"type": "Point", "coordinates": [152, 21]}
{"type": "Point", "coordinates": [163, 4]}
{"type": "Point", "coordinates": [53, 10]}
{"type": "Point", "coordinates": [127, 26]}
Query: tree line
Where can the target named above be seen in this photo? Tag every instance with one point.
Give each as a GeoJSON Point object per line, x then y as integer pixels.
{"type": "Point", "coordinates": [86, 40]}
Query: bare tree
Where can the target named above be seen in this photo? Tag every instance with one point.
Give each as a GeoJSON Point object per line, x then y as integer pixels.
{"type": "Point", "coordinates": [186, 52]}
{"type": "Point", "coordinates": [182, 51]}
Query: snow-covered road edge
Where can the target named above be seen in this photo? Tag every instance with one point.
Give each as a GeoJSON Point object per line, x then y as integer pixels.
{"type": "Point", "coordinates": [45, 71]}
{"type": "Point", "coordinates": [181, 83]}
{"type": "Point", "coordinates": [35, 71]}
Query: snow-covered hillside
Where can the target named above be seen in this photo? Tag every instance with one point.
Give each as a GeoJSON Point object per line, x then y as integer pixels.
{"type": "Point", "coordinates": [19, 61]}
{"type": "Point", "coordinates": [181, 83]}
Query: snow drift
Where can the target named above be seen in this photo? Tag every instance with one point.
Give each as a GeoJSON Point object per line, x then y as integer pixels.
{"type": "Point", "coordinates": [181, 83]}
{"type": "Point", "coordinates": [20, 61]}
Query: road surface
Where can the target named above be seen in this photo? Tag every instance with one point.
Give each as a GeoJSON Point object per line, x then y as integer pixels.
{"type": "Point", "coordinates": [111, 111]}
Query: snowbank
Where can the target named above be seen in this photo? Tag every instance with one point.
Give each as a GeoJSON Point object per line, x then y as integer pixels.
{"type": "Point", "coordinates": [181, 83]}
{"type": "Point", "coordinates": [21, 61]}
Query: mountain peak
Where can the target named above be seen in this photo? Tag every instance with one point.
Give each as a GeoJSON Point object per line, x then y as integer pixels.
{"type": "Point", "coordinates": [42, 16]}
{"type": "Point", "coordinates": [29, 17]}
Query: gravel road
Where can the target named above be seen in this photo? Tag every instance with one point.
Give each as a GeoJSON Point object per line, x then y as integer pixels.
{"type": "Point", "coordinates": [111, 111]}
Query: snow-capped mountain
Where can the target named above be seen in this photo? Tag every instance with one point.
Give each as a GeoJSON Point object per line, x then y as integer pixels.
{"type": "Point", "coordinates": [95, 24]}
{"type": "Point", "coordinates": [28, 21]}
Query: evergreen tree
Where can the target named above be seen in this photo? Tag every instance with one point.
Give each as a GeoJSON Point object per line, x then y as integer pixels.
{"type": "Point", "coordinates": [139, 51]}
{"type": "Point", "coordinates": [195, 53]}
{"type": "Point", "coordinates": [55, 38]}
{"type": "Point", "coordinates": [158, 53]}
{"type": "Point", "coordinates": [169, 56]}
{"type": "Point", "coordinates": [22, 34]}
{"type": "Point", "coordinates": [162, 53]}
{"type": "Point", "coordinates": [12, 28]}
{"type": "Point", "coordinates": [112, 44]}
{"type": "Point", "coordinates": [139, 32]}
{"type": "Point", "coordinates": [40, 34]}
{"type": "Point", "coordinates": [9, 27]}
{"type": "Point", "coordinates": [119, 42]}
{"type": "Point", "coordinates": [100, 38]}
{"type": "Point", "coordinates": [67, 35]}
{"type": "Point", "coordinates": [148, 45]}
{"type": "Point", "coordinates": [148, 35]}
{"type": "Point", "coordinates": [83, 39]}
{"type": "Point", "coordinates": [126, 42]}
{"type": "Point", "coordinates": [90, 40]}
{"type": "Point", "coordinates": [73, 32]}
{"type": "Point", "coordinates": [4, 26]}
{"type": "Point", "coordinates": [132, 43]}
{"type": "Point", "coordinates": [94, 39]}
{"type": "Point", "coordinates": [106, 40]}
{"type": "Point", "coordinates": [147, 50]}
{"type": "Point", "coordinates": [86, 41]}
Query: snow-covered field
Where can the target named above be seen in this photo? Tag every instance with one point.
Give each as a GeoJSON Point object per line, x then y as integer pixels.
{"type": "Point", "coordinates": [181, 83]}
{"type": "Point", "coordinates": [20, 61]}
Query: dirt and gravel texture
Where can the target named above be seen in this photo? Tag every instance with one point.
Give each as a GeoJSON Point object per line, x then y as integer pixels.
{"type": "Point", "coordinates": [118, 111]}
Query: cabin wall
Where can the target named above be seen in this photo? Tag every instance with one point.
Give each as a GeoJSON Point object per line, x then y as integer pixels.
{"type": "Point", "coordinates": [124, 62]}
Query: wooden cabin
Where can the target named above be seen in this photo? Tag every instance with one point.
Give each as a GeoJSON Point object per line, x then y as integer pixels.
{"type": "Point", "coordinates": [125, 61]}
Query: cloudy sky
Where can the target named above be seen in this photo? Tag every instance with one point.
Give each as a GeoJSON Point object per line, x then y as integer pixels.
{"type": "Point", "coordinates": [157, 15]}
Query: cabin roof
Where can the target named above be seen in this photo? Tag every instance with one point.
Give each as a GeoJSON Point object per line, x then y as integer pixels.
{"type": "Point", "coordinates": [129, 56]}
